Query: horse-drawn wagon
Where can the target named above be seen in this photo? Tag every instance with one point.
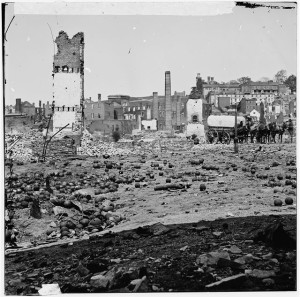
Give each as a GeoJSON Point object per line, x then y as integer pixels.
{"type": "Point", "coordinates": [221, 128]}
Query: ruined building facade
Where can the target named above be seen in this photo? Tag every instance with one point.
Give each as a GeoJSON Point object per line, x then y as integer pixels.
{"type": "Point", "coordinates": [68, 79]}
{"type": "Point", "coordinates": [169, 111]}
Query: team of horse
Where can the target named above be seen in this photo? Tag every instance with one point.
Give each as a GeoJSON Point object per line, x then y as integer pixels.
{"type": "Point", "coordinates": [263, 133]}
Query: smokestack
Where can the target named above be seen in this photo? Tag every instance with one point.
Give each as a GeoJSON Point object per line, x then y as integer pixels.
{"type": "Point", "coordinates": [208, 79]}
{"type": "Point", "coordinates": [18, 105]}
{"type": "Point", "coordinates": [168, 111]}
{"type": "Point", "coordinates": [155, 105]}
{"type": "Point", "coordinates": [211, 79]}
{"type": "Point", "coordinates": [99, 97]}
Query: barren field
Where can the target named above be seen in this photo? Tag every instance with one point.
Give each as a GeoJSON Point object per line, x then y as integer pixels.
{"type": "Point", "coordinates": [124, 193]}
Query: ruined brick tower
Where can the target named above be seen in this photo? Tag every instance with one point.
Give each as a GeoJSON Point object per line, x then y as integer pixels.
{"type": "Point", "coordinates": [68, 70]}
{"type": "Point", "coordinates": [168, 108]}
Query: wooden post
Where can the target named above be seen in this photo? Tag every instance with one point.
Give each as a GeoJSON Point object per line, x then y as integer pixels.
{"type": "Point", "coordinates": [235, 132]}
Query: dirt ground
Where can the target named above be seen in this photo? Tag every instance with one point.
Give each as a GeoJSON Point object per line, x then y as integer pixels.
{"type": "Point", "coordinates": [228, 193]}
{"type": "Point", "coordinates": [222, 255]}
{"type": "Point", "coordinates": [237, 186]}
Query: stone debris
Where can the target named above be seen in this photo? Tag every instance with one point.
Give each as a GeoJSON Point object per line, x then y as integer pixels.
{"type": "Point", "coordinates": [212, 258]}
{"type": "Point", "coordinates": [228, 282]}
{"type": "Point", "coordinates": [262, 273]}
{"type": "Point", "coordinates": [49, 289]}
{"type": "Point", "coordinates": [276, 235]}
{"type": "Point", "coordinates": [235, 250]}
{"type": "Point", "coordinates": [268, 282]}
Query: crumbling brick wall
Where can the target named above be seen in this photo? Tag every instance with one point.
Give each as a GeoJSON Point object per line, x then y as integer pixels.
{"type": "Point", "coordinates": [68, 69]}
{"type": "Point", "coordinates": [69, 51]}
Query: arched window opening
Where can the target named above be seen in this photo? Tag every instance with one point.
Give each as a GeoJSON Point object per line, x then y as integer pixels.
{"type": "Point", "coordinates": [195, 118]}
{"type": "Point", "coordinates": [65, 69]}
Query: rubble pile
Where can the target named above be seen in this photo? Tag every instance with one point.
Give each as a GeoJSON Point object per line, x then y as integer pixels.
{"type": "Point", "coordinates": [24, 150]}
{"type": "Point", "coordinates": [92, 147]}
{"type": "Point", "coordinates": [223, 255]}
{"type": "Point", "coordinates": [67, 199]}
{"type": "Point", "coordinates": [60, 148]}
{"type": "Point", "coordinates": [154, 143]}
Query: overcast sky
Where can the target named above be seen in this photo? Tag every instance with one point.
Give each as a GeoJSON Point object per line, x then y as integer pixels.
{"type": "Point", "coordinates": [130, 54]}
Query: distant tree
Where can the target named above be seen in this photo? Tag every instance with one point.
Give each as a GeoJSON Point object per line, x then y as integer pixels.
{"type": "Point", "coordinates": [232, 82]}
{"type": "Point", "coordinates": [280, 76]}
{"type": "Point", "coordinates": [195, 94]}
{"type": "Point", "coordinates": [264, 79]}
{"type": "Point", "coordinates": [244, 80]}
{"type": "Point", "coordinates": [291, 82]}
{"type": "Point", "coordinates": [199, 87]}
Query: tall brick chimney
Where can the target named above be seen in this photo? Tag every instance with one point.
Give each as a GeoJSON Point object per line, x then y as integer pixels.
{"type": "Point", "coordinates": [168, 110]}
{"type": "Point", "coordinates": [155, 105]}
{"type": "Point", "coordinates": [18, 105]}
{"type": "Point", "coordinates": [99, 97]}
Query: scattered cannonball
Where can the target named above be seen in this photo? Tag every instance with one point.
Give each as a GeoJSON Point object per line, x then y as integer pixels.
{"type": "Point", "coordinates": [64, 229]}
{"type": "Point", "coordinates": [202, 187]}
{"type": "Point", "coordinates": [24, 204]}
{"type": "Point", "coordinates": [49, 231]}
{"type": "Point", "coordinates": [289, 201]}
{"type": "Point", "coordinates": [137, 185]}
{"type": "Point", "coordinates": [71, 225]}
{"type": "Point", "coordinates": [95, 222]}
{"type": "Point", "coordinates": [108, 208]}
{"type": "Point", "coordinates": [280, 176]}
{"type": "Point", "coordinates": [65, 233]}
{"type": "Point", "coordinates": [277, 202]}
{"type": "Point", "coordinates": [84, 222]}
{"type": "Point", "coordinates": [63, 224]}
{"type": "Point", "coordinates": [67, 204]}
